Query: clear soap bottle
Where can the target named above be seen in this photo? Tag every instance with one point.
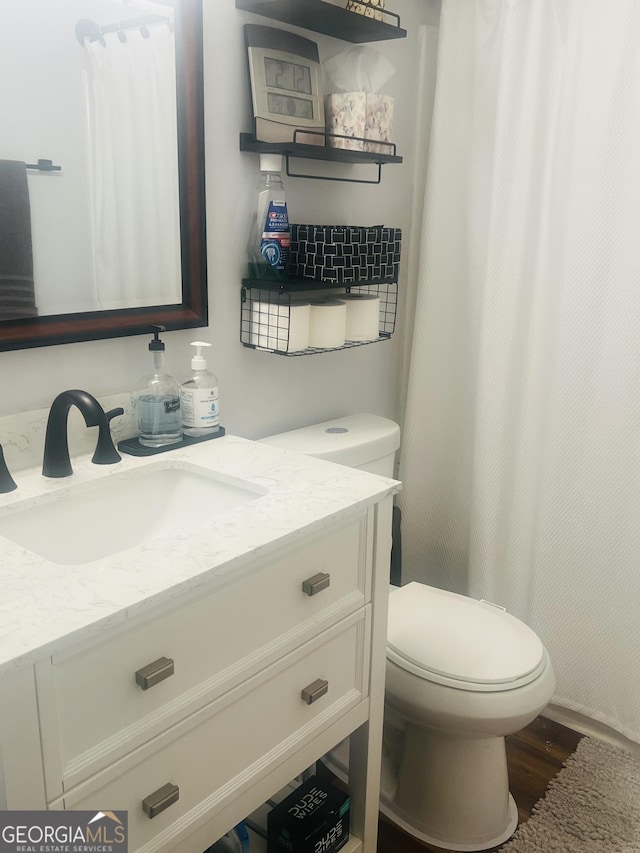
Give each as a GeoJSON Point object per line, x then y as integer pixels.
{"type": "Point", "coordinates": [199, 397]}
{"type": "Point", "coordinates": [270, 233]}
{"type": "Point", "coordinates": [158, 401]}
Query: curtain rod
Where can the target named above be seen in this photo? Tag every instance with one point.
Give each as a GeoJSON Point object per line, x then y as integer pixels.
{"type": "Point", "coordinates": [43, 166]}
{"type": "Point", "coordinates": [88, 29]}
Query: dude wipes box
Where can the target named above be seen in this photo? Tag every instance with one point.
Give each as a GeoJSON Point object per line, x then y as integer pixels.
{"type": "Point", "coordinates": [313, 819]}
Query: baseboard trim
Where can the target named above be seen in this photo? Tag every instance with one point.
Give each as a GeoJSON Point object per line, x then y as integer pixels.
{"type": "Point", "coordinates": [587, 726]}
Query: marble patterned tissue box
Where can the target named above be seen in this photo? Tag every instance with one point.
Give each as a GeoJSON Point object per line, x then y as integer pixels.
{"type": "Point", "coordinates": [360, 114]}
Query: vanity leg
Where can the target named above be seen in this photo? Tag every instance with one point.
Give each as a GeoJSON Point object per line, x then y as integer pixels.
{"type": "Point", "coordinates": [365, 744]}
{"type": "Point", "coordinates": [21, 770]}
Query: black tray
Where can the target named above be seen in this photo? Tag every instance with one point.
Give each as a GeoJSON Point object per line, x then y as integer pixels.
{"type": "Point", "coordinates": [133, 447]}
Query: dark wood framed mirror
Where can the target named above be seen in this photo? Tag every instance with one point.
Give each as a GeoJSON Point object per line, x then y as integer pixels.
{"type": "Point", "coordinates": [192, 311]}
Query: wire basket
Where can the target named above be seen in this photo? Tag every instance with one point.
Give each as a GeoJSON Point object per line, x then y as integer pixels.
{"type": "Point", "coordinates": [270, 319]}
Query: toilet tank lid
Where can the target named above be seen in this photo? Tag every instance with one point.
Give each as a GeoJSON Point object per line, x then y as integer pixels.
{"type": "Point", "coordinates": [460, 638]}
{"type": "Point", "coordinates": [352, 440]}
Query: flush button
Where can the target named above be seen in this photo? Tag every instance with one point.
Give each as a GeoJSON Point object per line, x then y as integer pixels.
{"type": "Point", "coordinates": [336, 429]}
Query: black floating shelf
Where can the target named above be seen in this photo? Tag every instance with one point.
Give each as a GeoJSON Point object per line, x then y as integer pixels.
{"type": "Point", "coordinates": [321, 17]}
{"type": "Point", "coordinates": [248, 142]}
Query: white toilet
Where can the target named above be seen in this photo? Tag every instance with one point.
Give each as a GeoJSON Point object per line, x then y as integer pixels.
{"type": "Point", "coordinates": [461, 676]}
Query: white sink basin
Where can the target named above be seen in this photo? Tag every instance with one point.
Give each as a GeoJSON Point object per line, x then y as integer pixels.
{"type": "Point", "coordinates": [123, 510]}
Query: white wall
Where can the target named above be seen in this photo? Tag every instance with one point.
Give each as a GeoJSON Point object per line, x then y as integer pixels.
{"type": "Point", "coordinates": [260, 392]}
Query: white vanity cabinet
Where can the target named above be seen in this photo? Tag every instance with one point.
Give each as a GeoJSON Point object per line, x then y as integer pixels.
{"type": "Point", "coordinates": [191, 715]}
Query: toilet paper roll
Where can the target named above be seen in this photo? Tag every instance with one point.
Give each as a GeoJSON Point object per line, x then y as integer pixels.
{"type": "Point", "coordinates": [280, 326]}
{"type": "Point", "coordinates": [299, 312]}
{"type": "Point", "coordinates": [363, 316]}
{"type": "Point", "coordinates": [327, 323]}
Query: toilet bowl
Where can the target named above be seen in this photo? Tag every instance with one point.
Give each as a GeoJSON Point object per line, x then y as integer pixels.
{"type": "Point", "coordinates": [461, 675]}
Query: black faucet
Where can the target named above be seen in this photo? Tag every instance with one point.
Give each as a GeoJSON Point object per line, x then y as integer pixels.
{"type": "Point", "coordinates": [56, 446]}
{"type": "Point", "coordinates": [7, 483]}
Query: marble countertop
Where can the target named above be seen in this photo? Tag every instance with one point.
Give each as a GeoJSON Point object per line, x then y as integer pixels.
{"type": "Point", "coordinates": [44, 605]}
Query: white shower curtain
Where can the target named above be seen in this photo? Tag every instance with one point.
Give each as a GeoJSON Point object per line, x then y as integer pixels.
{"type": "Point", "coordinates": [134, 168]}
{"type": "Point", "coordinates": [521, 446]}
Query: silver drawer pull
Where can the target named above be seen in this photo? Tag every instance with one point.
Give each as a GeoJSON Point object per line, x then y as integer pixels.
{"type": "Point", "coordinates": [315, 690]}
{"type": "Point", "coordinates": [161, 799]}
{"type": "Point", "coordinates": [316, 584]}
{"type": "Point", "coordinates": [154, 672]}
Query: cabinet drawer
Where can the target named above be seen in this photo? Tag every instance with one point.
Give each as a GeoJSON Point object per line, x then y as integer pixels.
{"type": "Point", "coordinates": [226, 747]}
{"type": "Point", "coordinates": [94, 711]}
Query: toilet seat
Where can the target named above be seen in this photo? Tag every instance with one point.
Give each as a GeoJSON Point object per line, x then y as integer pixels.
{"type": "Point", "coordinates": [460, 642]}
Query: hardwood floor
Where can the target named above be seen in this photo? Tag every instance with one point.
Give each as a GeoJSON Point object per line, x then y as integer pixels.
{"type": "Point", "coordinates": [534, 755]}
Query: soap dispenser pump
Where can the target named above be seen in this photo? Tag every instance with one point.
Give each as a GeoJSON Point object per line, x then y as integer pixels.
{"type": "Point", "coordinates": [199, 397]}
{"type": "Point", "coordinates": [158, 401]}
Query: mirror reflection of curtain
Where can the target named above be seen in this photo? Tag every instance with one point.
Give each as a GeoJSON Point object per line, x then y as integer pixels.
{"type": "Point", "coordinates": [134, 163]}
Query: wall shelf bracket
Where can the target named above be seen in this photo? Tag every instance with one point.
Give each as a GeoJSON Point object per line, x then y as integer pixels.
{"type": "Point", "coordinates": [304, 151]}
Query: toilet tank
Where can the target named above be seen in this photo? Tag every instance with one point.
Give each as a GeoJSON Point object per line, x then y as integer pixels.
{"type": "Point", "coordinates": [364, 441]}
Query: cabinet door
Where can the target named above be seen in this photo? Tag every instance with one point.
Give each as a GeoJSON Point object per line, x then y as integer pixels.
{"type": "Point", "coordinates": [219, 753]}
{"type": "Point", "coordinates": [93, 707]}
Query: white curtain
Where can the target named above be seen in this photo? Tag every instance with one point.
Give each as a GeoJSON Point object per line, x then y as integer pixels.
{"type": "Point", "coordinates": [521, 446]}
{"type": "Point", "coordinates": [134, 168]}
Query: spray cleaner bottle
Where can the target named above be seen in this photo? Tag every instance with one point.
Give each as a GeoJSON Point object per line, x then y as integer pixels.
{"type": "Point", "coordinates": [270, 234]}
{"type": "Point", "coordinates": [199, 397]}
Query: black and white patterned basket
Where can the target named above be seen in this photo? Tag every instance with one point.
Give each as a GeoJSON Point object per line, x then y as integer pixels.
{"type": "Point", "coordinates": [345, 254]}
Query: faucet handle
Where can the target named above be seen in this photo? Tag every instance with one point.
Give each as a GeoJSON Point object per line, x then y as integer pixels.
{"type": "Point", "coordinates": [7, 483]}
{"type": "Point", "coordinates": [105, 453]}
{"type": "Point", "coordinates": [113, 413]}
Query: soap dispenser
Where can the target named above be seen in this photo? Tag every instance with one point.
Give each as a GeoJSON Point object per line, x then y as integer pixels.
{"type": "Point", "coordinates": [199, 397]}
{"type": "Point", "coordinates": [158, 401]}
